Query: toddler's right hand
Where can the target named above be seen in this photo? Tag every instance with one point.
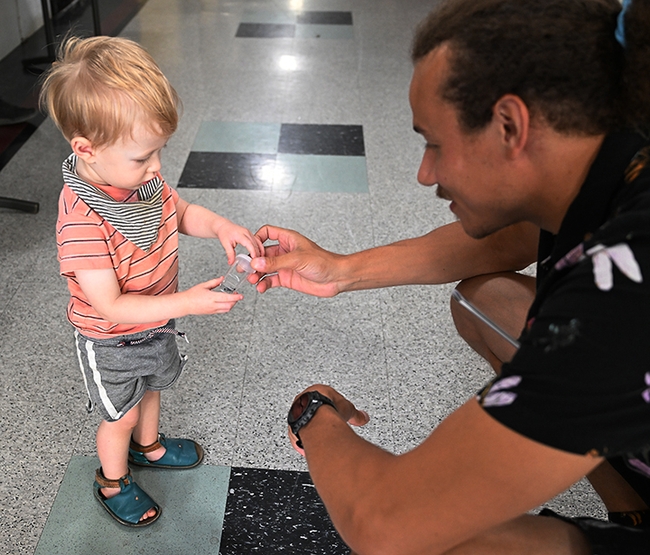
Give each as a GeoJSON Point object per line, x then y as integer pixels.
{"type": "Point", "coordinates": [203, 300]}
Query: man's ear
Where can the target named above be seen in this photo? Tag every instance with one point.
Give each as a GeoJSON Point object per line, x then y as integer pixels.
{"type": "Point", "coordinates": [83, 148]}
{"type": "Point", "coordinates": [512, 116]}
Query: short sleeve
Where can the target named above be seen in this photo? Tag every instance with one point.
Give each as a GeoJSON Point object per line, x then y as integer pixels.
{"type": "Point", "coordinates": [580, 381]}
{"type": "Point", "coordinates": [81, 235]}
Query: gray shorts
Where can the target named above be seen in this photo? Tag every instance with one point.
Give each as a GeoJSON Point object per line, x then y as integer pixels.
{"type": "Point", "coordinates": [118, 371]}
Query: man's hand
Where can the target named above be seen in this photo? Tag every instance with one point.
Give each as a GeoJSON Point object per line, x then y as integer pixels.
{"type": "Point", "coordinates": [345, 408]}
{"type": "Point", "coordinates": [300, 264]}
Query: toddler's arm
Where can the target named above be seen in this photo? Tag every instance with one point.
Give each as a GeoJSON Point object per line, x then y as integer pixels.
{"type": "Point", "coordinates": [198, 221]}
{"type": "Point", "coordinates": [103, 292]}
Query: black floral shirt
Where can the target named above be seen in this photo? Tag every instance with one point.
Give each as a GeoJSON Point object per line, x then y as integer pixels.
{"type": "Point", "coordinates": [580, 380]}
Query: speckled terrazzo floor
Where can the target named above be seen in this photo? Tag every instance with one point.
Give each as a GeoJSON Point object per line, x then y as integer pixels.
{"type": "Point", "coordinates": [393, 351]}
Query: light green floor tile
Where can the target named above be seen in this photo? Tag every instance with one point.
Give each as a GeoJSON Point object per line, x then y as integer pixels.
{"type": "Point", "coordinates": [230, 136]}
{"type": "Point", "coordinates": [268, 16]}
{"type": "Point", "coordinates": [193, 503]}
{"type": "Point", "coordinates": [324, 31]}
{"type": "Point", "coordinates": [324, 174]}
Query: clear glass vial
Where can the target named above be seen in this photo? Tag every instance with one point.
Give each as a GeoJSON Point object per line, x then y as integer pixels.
{"type": "Point", "coordinates": [236, 274]}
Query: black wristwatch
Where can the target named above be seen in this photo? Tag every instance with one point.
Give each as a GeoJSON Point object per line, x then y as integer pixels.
{"type": "Point", "coordinates": [303, 410]}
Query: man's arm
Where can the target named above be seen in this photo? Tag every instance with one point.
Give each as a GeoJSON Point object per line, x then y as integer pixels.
{"type": "Point", "coordinates": [469, 476]}
{"type": "Point", "coordinates": [444, 255]}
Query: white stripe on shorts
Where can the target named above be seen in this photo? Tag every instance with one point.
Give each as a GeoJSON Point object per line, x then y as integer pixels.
{"type": "Point", "coordinates": [97, 378]}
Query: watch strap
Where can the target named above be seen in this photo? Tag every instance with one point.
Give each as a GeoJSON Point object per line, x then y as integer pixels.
{"type": "Point", "coordinates": [314, 400]}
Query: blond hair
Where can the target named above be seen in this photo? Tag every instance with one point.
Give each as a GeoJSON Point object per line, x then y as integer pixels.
{"type": "Point", "coordinates": [99, 86]}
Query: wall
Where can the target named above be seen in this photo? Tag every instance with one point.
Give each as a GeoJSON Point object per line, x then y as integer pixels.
{"type": "Point", "coordinates": [19, 19]}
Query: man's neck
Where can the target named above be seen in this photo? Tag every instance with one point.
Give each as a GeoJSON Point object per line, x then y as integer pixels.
{"type": "Point", "coordinates": [564, 163]}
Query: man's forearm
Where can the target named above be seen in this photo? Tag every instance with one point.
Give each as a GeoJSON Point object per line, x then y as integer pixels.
{"type": "Point", "coordinates": [444, 255]}
{"type": "Point", "coordinates": [344, 468]}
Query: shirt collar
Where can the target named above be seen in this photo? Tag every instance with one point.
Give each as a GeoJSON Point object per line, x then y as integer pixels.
{"type": "Point", "coordinates": [590, 209]}
{"type": "Point", "coordinates": [138, 221]}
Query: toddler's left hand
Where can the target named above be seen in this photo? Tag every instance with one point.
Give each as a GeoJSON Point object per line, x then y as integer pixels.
{"type": "Point", "coordinates": [231, 235]}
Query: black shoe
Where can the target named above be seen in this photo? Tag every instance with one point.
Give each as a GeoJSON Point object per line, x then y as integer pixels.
{"type": "Point", "coordinates": [10, 114]}
{"type": "Point", "coordinates": [607, 538]}
{"type": "Point", "coordinates": [635, 519]}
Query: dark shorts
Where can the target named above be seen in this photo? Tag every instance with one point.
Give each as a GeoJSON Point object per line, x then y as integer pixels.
{"type": "Point", "coordinates": [607, 538]}
{"type": "Point", "coordinates": [118, 371]}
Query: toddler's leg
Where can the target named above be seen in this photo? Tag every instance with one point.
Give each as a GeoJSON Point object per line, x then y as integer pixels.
{"type": "Point", "coordinates": [151, 449]}
{"type": "Point", "coordinates": [146, 429]}
{"type": "Point", "coordinates": [113, 447]}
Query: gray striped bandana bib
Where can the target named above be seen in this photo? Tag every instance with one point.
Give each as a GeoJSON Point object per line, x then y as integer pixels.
{"type": "Point", "coordinates": [138, 221]}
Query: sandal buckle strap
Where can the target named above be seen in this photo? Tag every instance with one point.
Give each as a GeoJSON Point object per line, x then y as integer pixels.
{"type": "Point", "coordinates": [146, 448]}
{"type": "Point", "coordinates": [106, 483]}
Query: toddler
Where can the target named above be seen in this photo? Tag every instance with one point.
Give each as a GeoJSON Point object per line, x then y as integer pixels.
{"type": "Point", "coordinates": [117, 239]}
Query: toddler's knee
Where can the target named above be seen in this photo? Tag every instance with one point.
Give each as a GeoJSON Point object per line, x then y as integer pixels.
{"type": "Point", "coordinates": [130, 419]}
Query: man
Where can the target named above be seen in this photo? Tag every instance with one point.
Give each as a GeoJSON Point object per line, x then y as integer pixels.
{"type": "Point", "coordinates": [544, 155]}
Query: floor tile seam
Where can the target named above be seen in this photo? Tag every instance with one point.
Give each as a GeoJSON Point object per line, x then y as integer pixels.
{"type": "Point", "coordinates": [3, 308]}
{"type": "Point", "coordinates": [387, 376]}
{"type": "Point", "coordinates": [238, 427]}
{"type": "Point", "coordinates": [383, 330]}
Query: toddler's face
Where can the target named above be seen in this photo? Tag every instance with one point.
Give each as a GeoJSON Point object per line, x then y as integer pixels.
{"type": "Point", "coordinates": [128, 163]}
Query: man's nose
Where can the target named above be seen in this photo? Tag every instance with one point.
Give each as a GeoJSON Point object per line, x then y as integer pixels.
{"type": "Point", "coordinates": [426, 173]}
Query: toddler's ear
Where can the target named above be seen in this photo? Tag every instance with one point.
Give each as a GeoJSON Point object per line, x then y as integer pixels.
{"type": "Point", "coordinates": [83, 148]}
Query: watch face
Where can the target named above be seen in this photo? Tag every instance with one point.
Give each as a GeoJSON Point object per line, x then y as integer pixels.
{"type": "Point", "coordinates": [298, 407]}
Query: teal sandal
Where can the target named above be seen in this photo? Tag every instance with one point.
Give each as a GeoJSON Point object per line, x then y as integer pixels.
{"type": "Point", "coordinates": [179, 454]}
{"type": "Point", "coordinates": [128, 506]}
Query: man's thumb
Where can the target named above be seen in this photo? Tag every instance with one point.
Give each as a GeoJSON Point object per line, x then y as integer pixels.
{"type": "Point", "coordinates": [261, 264]}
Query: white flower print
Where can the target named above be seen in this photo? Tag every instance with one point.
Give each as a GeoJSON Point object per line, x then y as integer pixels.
{"type": "Point", "coordinates": [622, 255]}
{"type": "Point", "coordinates": [497, 397]}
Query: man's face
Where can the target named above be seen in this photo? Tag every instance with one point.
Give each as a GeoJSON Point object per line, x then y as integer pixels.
{"type": "Point", "coordinates": [469, 169]}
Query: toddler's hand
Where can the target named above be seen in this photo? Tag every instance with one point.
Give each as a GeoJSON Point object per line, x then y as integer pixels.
{"type": "Point", "coordinates": [203, 300]}
{"type": "Point", "coordinates": [231, 235]}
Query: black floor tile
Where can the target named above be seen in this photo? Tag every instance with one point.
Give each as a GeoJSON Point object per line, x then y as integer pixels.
{"type": "Point", "coordinates": [266, 30]}
{"type": "Point", "coordinates": [226, 170]}
{"type": "Point", "coordinates": [276, 511]}
{"type": "Point", "coordinates": [325, 18]}
{"type": "Point", "coordinates": [334, 140]}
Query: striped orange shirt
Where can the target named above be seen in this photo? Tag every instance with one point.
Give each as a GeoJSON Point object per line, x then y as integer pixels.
{"type": "Point", "coordinates": [87, 241]}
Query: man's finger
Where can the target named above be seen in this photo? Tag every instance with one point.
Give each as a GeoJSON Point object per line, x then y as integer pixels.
{"type": "Point", "coordinates": [360, 418]}
{"type": "Point", "coordinates": [269, 233]}
{"type": "Point", "coordinates": [269, 265]}
{"type": "Point", "coordinates": [266, 282]}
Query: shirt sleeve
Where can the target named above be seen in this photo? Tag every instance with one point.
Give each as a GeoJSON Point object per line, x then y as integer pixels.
{"type": "Point", "coordinates": [580, 380]}
{"type": "Point", "coordinates": [82, 236]}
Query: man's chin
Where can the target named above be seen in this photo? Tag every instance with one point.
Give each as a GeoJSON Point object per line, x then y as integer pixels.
{"type": "Point", "coordinates": [476, 232]}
